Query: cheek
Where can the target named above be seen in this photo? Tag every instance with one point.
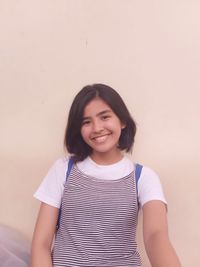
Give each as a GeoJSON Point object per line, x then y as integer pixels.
{"type": "Point", "coordinates": [116, 126]}
{"type": "Point", "coordinates": [84, 132]}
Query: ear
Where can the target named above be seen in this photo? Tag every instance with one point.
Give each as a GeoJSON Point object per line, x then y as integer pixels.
{"type": "Point", "coordinates": [123, 125]}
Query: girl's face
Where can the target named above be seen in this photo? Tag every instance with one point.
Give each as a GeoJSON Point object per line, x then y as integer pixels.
{"type": "Point", "coordinates": [101, 130]}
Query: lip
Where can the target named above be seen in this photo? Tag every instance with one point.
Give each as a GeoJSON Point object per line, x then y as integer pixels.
{"type": "Point", "coordinates": [100, 139]}
{"type": "Point", "coordinates": [99, 136]}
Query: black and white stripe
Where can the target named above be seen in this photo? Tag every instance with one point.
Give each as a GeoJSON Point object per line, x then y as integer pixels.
{"type": "Point", "coordinates": [98, 223]}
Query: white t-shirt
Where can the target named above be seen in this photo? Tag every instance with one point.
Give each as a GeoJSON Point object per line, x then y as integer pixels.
{"type": "Point", "coordinates": [51, 189]}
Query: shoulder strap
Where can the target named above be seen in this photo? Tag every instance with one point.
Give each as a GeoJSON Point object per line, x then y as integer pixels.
{"type": "Point", "coordinates": [138, 170]}
{"type": "Point", "coordinates": [69, 167]}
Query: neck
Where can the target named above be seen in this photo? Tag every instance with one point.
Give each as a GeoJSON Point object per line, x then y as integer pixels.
{"type": "Point", "coordinates": [105, 158]}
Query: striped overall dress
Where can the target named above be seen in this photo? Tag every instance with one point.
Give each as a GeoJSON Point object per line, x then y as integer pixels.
{"type": "Point", "coordinates": [98, 223]}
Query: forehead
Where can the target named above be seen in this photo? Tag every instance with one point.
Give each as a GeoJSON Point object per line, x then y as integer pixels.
{"type": "Point", "coordinates": [96, 106]}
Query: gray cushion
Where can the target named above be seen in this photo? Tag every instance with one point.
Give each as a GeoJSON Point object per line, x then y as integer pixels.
{"type": "Point", "coordinates": [14, 248]}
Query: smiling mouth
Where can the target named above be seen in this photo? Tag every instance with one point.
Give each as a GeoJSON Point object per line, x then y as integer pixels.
{"type": "Point", "coordinates": [100, 138]}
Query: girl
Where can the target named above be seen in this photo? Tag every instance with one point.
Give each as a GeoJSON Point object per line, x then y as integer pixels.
{"type": "Point", "coordinates": [100, 198]}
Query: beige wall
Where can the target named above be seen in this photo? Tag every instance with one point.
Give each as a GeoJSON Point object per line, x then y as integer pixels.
{"type": "Point", "coordinates": [148, 50]}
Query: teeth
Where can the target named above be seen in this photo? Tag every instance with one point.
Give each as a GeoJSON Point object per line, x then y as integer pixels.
{"type": "Point", "coordinates": [100, 139]}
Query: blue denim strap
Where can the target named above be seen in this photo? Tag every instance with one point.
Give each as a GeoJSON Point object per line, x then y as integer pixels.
{"type": "Point", "coordinates": [138, 170]}
{"type": "Point", "coordinates": [69, 167]}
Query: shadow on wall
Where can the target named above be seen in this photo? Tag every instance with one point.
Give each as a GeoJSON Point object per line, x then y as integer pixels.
{"type": "Point", "coordinates": [14, 248]}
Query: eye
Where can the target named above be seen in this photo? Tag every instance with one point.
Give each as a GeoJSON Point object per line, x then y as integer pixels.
{"type": "Point", "coordinates": [85, 122]}
{"type": "Point", "coordinates": [105, 117]}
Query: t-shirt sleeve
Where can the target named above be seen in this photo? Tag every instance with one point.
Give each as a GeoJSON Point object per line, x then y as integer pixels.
{"type": "Point", "coordinates": [149, 187]}
{"type": "Point", "coordinates": [51, 189]}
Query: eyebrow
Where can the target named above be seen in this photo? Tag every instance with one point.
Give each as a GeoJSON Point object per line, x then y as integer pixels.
{"type": "Point", "coordinates": [99, 114]}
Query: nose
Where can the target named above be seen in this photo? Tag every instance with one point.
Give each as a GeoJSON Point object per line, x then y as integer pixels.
{"type": "Point", "coordinates": [97, 126]}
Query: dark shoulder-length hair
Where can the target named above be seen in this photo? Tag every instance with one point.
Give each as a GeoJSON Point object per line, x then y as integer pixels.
{"type": "Point", "coordinates": [73, 140]}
